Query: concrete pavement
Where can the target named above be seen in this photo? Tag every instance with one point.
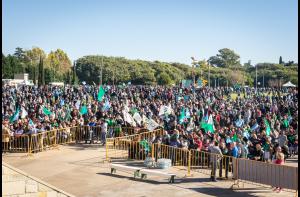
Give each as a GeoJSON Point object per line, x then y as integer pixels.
{"type": "Point", "coordinates": [80, 170]}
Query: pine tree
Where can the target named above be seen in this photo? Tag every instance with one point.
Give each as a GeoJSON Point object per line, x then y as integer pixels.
{"type": "Point", "coordinates": [43, 72]}
{"type": "Point", "coordinates": [280, 60]}
{"type": "Point", "coordinates": [34, 75]}
{"type": "Point", "coordinates": [73, 74]}
{"type": "Point", "coordinates": [41, 78]}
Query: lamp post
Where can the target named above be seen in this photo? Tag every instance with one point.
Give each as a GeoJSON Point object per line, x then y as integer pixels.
{"type": "Point", "coordinates": [208, 74]}
{"type": "Point", "coordinates": [264, 77]}
{"type": "Point", "coordinates": [193, 70]}
{"type": "Point", "coordinates": [101, 71]}
{"type": "Point", "coordinates": [256, 77]}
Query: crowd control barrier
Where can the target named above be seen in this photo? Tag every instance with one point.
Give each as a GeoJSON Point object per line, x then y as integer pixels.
{"type": "Point", "coordinates": [257, 172]}
{"type": "Point", "coordinates": [179, 157]}
{"type": "Point", "coordinates": [33, 143]}
{"type": "Point", "coordinates": [18, 143]}
{"type": "Point", "coordinates": [205, 162]}
{"type": "Point", "coordinates": [117, 147]}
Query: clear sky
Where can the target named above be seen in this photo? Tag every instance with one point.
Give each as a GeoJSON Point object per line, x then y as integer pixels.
{"type": "Point", "coordinates": [165, 30]}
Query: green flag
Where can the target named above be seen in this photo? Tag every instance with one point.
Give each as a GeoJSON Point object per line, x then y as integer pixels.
{"type": "Point", "coordinates": [268, 128]}
{"type": "Point", "coordinates": [234, 137]}
{"type": "Point", "coordinates": [46, 111]}
{"type": "Point", "coordinates": [15, 116]}
{"type": "Point", "coordinates": [207, 127]}
{"type": "Point", "coordinates": [145, 145]}
{"type": "Point", "coordinates": [285, 123]}
{"type": "Point", "coordinates": [182, 115]}
{"type": "Point", "coordinates": [101, 93]}
{"type": "Point", "coordinates": [133, 111]}
{"type": "Point", "coordinates": [83, 110]}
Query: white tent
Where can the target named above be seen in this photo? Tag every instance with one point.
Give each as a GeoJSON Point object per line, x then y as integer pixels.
{"type": "Point", "coordinates": [288, 84]}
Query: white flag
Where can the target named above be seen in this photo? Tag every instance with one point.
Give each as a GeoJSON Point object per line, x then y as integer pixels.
{"type": "Point", "coordinates": [24, 113]}
{"type": "Point", "coordinates": [210, 121]}
{"type": "Point", "coordinates": [137, 118]}
{"type": "Point", "coordinates": [77, 104]}
{"type": "Point", "coordinates": [150, 124]}
{"type": "Point", "coordinates": [128, 118]}
{"type": "Point", "coordinates": [165, 110]}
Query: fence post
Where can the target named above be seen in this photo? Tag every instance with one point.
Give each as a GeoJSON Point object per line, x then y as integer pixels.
{"type": "Point", "coordinates": [106, 150]}
{"type": "Point", "coordinates": [152, 151]}
{"type": "Point", "coordinates": [55, 142]}
{"type": "Point", "coordinates": [28, 143]}
{"type": "Point", "coordinates": [189, 163]}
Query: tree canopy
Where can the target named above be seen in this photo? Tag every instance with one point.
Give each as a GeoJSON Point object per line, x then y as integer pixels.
{"type": "Point", "coordinates": [225, 69]}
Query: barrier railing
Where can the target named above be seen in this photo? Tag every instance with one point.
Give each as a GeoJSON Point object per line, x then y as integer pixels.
{"type": "Point", "coordinates": [18, 143]}
{"type": "Point", "coordinates": [117, 146]}
{"type": "Point", "coordinates": [215, 165]}
{"type": "Point", "coordinates": [204, 162]}
{"type": "Point", "coordinates": [34, 143]}
{"type": "Point", "coordinates": [179, 157]}
{"type": "Point", "coordinates": [274, 175]}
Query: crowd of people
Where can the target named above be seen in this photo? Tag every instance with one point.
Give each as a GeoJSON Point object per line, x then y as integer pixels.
{"type": "Point", "coordinates": [255, 125]}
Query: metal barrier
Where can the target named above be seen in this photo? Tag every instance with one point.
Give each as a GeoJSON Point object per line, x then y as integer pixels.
{"type": "Point", "coordinates": [179, 157]}
{"type": "Point", "coordinates": [274, 175]}
{"type": "Point", "coordinates": [65, 135]}
{"type": "Point", "coordinates": [18, 143]}
{"type": "Point", "coordinates": [205, 162]}
{"type": "Point", "coordinates": [37, 142]}
{"type": "Point", "coordinates": [116, 146]}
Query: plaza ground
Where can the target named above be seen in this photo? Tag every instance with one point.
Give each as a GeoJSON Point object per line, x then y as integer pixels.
{"type": "Point", "coordinates": [80, 170]}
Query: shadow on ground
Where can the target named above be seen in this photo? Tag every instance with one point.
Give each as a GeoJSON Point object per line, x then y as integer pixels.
{"type": "Point", "coordinates": [134, 179]}
{"type": "Point", "coordinates": [83, 146]}
{"type": "Point", "coordinates": [217, 191]}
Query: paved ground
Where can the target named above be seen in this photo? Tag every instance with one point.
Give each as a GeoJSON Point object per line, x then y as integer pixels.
{"type": "Point", "coordinates": [80, 170]}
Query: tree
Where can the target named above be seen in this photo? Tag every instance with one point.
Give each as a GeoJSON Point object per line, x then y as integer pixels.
{"type": "Point", "coordinates": [280, 60]}
{"type": "Point", "coordinates": [164, 79]}
{"type": "Point", "coordinates": [41, 78]}
{"type": "Point", "coordinates": [226, 58]}
{"type": "Point", "coordinates": [34, 55]}
{"type": "Point", "coordinates": [289, 63]}
{"type": "Point", "coordinates": [34, 75]}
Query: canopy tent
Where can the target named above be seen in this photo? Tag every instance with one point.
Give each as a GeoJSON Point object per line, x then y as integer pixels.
{"type": "Point", "coordinates": [288, 84]}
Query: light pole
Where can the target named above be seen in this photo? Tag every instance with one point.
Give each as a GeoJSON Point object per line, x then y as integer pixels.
{"type": "Point", "coordinates": [101, 71]}
{"type": "Point", "coordinates": [208, 75]}
{"type": "Point", "coordinates": [256, 77]}
{"type": "Point", "coordinates": [264, 77]}
{"type": "Point", "coordinates": [215, 83]}
{"type": "Point", "coordinates": [114, 72]}
{"type": "Point", "coordinates": [193, 70]}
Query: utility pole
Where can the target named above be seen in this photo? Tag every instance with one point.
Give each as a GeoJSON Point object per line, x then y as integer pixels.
{"type": "Point", "coordinates": [208, 75]}
{"type": "Point", "coordinates": [101, 71]}
{"type": "Point", "coordinates": [264, 77]}
{"type": "Point", "coordinates": [215, 83]}
{"type": "Point", "coordinates": [114, 72]}
{"type": "Point", "coordinates": [193, 70]}
{"type": "Point", "coordinates": [256, 77]}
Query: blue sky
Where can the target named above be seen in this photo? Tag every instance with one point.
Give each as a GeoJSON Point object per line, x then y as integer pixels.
{"type": "Point", "coordinates": [169, 30]}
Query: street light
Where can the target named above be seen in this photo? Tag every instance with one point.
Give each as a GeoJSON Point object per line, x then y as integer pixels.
{"type": "Point", "coordinates": [193, 70]}
{"type": "Point", "coordinates": [208, 74]}
{"type": "Point", "coordinates": [101, 70]}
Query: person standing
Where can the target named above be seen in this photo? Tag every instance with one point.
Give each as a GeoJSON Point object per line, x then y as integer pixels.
{"type": "Point", "coordinates": [215, 154]}
{"type": "Point", "coordinates": [279, 161]}
{"type": "Point", "coordinates": [103, 132]}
